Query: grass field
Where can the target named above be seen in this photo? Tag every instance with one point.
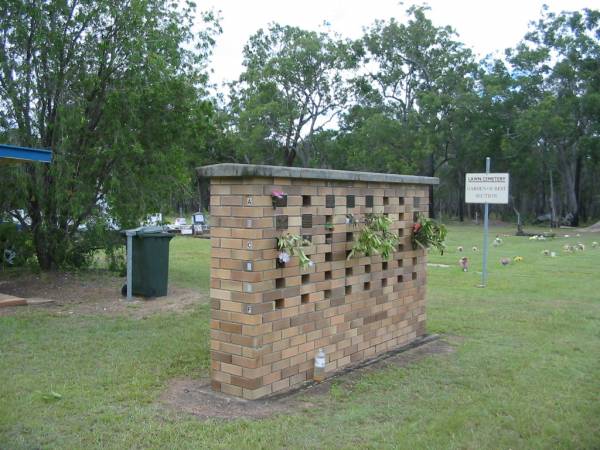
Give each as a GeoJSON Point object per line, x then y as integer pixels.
{"type": "Point", "coordinates": [525, 374]}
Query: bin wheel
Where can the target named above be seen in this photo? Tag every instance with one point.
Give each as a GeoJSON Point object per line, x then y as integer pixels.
{"type": "Point", "coordinates": [124, 290]}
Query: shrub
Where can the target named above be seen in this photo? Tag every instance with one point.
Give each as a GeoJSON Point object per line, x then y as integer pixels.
{"type": "Point", "coordinates": [16, 246]}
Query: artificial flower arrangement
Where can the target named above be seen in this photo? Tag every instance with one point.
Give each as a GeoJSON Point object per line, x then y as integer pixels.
{"type": "Point", "coordinates": [278, 198]}
{"type": "Point", "coordinates": [375, 238]}
{"type": "Point", "coordinates": [428, 233]}
{"type": "Point", "coordinates": [291, 245]}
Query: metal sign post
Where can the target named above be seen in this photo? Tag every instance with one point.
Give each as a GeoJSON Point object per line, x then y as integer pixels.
{"type": "Point", "coordinates": [486, 188]}
{"type": "Point", "coordinates": [485, 231]}
{"type": "Point", "coordinates": [130, 234]}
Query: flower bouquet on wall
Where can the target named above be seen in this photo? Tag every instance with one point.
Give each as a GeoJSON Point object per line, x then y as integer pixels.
{"type": "Point", "coordinates": [291, 245]}
{"type": "Point", "coordinates": [427, 233]}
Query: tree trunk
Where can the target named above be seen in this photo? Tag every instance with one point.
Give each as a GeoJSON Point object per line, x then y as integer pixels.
{"type": "Point", "coordinates": [553, 221]}
{"type": "Point", "coordinates": [41, 244]}
{"type": "Point", "coordinates": [290, 156]}
{"type": "Point", "coordinates": [431, 174]}
{"type": "Point", "coordinates": [571, 174]}
{"type": "Point", "coordinates": [577, 188]}
{"type": "Point", "coordinates": [461, 197]}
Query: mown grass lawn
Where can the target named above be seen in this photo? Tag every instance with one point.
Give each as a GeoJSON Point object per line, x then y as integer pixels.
{"type": "Point", "coordinates": [525, 374]}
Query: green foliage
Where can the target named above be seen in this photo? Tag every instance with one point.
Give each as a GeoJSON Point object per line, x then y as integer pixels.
{"type": "Point", "coordinates": [16, 247]}
{"type": "Point", "coordinates": [291, 88]}
{"type": "Point", "coordinates": [557, 67]}
{"type": "Point", "coordinates": [116, 90]}
{"type": "Point", "coordinates": [428, 233]}
{"type": "Point", "coordinates": [375, 238]}
{"type": "Point", "coordinates": [291, 245]}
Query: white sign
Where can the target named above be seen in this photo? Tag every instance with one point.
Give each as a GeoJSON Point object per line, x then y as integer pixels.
{"type": "Point", "coordinates": [486, 188]}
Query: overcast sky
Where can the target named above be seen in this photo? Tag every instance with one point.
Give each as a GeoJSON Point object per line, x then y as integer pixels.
{"type": "Point", "coordinates": [486, 26]}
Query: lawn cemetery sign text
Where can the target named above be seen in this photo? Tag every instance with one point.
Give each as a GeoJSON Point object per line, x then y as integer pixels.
{"type": "Point", "coordinates": [486, 188]}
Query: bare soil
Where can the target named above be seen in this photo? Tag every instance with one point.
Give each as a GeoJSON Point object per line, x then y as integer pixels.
{"type": "Point", "coordinates": [91, 293]}
{"type": "Point", "coordinates": [595, 228]}
{"type": "Point", "coordinates": [196, 397]}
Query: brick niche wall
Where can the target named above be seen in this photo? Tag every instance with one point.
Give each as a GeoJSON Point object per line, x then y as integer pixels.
{"type": "Point", "coordinates": [268, 321]}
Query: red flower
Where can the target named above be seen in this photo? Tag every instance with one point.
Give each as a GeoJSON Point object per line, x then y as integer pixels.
{"type": "Point", "coordinates": [416, 227]}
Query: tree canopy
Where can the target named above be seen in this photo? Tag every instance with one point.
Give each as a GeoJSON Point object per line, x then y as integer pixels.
{"type": "Point", "coordinates": [119, 91]}
{"type": "Point", "coordinates": [111, 89]}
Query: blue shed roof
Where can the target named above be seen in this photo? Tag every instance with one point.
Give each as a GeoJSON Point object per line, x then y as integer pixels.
{"type": "Point", "coordinates": [14, 152]}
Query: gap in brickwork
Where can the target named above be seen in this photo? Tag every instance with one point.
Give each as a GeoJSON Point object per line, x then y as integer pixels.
{"type": "Point", "coordinates": [386, 201]}
{"type": "Point", "coordinates": [414, 261]}
{"type": "Point", "coordinates": [349, 271]}
{"type": "Point", "coordinates": [328, 275]}
{"type": "Point", "coordinates": [330, 201]}
{"type": "Point", "coordinates": [367, 285]}
{"type": "Point", "coordinates": [305, 278]}
{"type": "Point", "coordinates": [350, 201]}
{"type": "Point", "coordinates": [400, 279]}
{"type": "Point", "coordinates": [306, 200]}
{"type": "Point", "coordinates": [349, 237]}
{"type": "Point", "coordinates": [327, 293]}
{"type": "Point", "coordinates": [348, 290]}
{"type": "Point", "coordinates": [279, 283]}
{"type": "Point", "coordinates": [414, 275]}
{"type": "Point", "coordinates": [307, 221]}
{"type": "Point", "coordinates": [368, 268]}
{"type": "Point", "coordinates": [383, 282]}
{"type": "Point", "coordinates": [328, 257]}
{"type": "Point", "coordinates": [328, 238]}
{"type": "Point", "coordinates": [401, 201]}
{"type": "Point", "coordinates": [400, 263]}
{"type": "Point", "coordinates": [304, 299]}
{"type": "Point", "coordinates": [369, 201]}
{"type": "Point", "coordinates": [279, 303]}
{"type": "Point", "coordinates": [384, 265]}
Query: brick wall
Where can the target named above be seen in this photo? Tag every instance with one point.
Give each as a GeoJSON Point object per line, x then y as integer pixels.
{"type": "Point", "coordinates": [268, 322]}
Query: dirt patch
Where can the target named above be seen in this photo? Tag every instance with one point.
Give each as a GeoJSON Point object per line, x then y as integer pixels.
{"type": "Point", "coordinates": [592, 228]}
{"type": "Point", "coordinates": [92, 293]}
{"type": "Point", "coordinates": [197, 398]}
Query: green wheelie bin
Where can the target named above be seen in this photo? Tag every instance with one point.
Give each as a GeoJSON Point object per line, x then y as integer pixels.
{"type": "Point", "coordinates": [150, 261]}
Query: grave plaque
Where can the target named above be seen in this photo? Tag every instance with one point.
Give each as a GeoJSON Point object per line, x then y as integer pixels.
{"type": "Point", "coordinates": [330, 201]}
{"type": "Point", "coordinates": [281, 222]}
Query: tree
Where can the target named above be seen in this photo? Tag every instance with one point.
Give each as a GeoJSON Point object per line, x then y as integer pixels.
{"type": "Point", "coordinates": [558, 65]}
{"type": "Point", "coordinates": [291, 89]}
{"type": "Point", "coordinates": [420, 77]}
{"type": "Point", "coordinates": [110, 88]}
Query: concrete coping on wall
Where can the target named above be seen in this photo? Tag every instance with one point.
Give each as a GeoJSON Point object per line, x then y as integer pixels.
{"type": "Point", "coordinates": [254, 170]}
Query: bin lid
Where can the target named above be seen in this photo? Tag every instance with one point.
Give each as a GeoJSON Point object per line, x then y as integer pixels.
{"type": "Point", "coordinates": [149, 231]}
